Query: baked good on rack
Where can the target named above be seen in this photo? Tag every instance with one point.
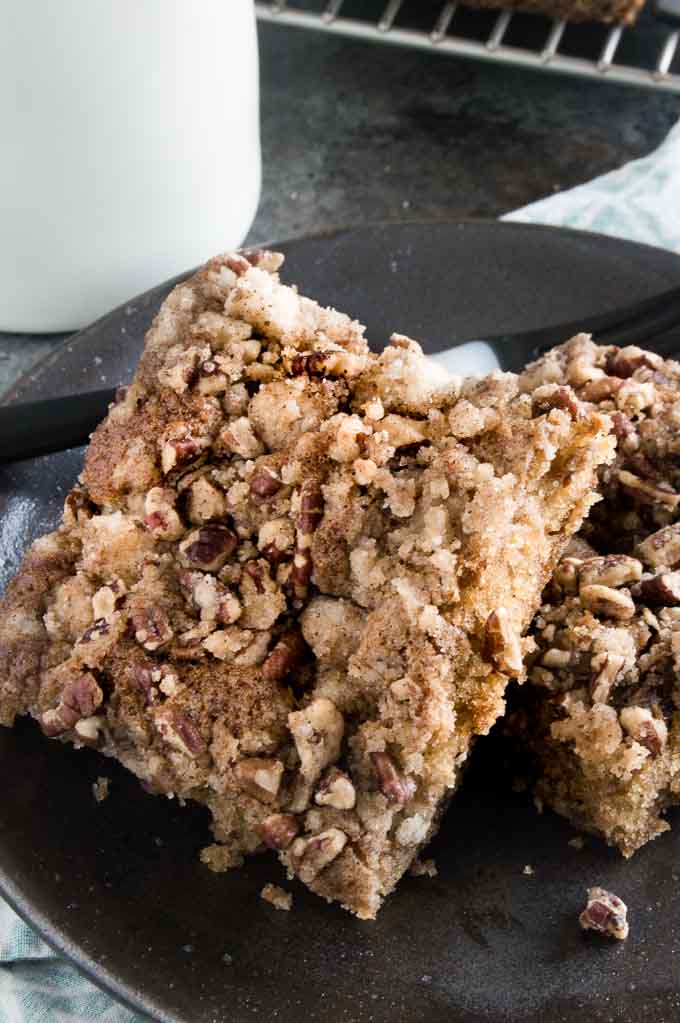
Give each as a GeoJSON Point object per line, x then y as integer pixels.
{"type": "Point", "coordinates": [600, 712]}
{"type": "Point", "coordinates": [623, 12]}
{"type": "Point", "coordinates": [293, 579]}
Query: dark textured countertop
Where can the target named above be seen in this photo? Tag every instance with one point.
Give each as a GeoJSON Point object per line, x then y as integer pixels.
{"type": "Point", "coordinates": [356, 131]}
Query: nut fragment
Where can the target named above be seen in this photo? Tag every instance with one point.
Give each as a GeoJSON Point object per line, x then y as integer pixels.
{"type": "Point", "coordinates": [625, 361]}
{"type": "Point", "coordinates": [260, 777]}
{"type": "Point", "coordinates": [336, 790]}
{"type": "Point", "coordinates": [264, 484]}
{"type": "Point", "coordinates": [603, 600]}
{"type": "Point", "coordinates": [611, 570]}
{"type": "Point", "coordinates": [566, 574]}
{"type": "Point", "coordinates": [279, 830]}
{"type": "Point", "coordinates": [80, 698]}
{"type": "Point", "coordinates": [209, 547]}
{"type": "Point", "coordinates": [189, 733]}
{"type": "Point", "coordinates": [548, 397]}
{"type": "Point", "coordinates": [287, 656]}
{"type": "Point", "coordinates": [603, 682]}
{"type": "Point", "coordinates": [647, 493]}
{"type": "Point", "coordinates": [605, 913]}
{"type": "Point", "coordinates": [309, 856]}
{"type": "Point", "coordinates": [317, 731]}
{"type": "Point", "coordinates": [642, 726]}
{"type": "Point", "coordinates": [152, 627]}
{"type": "Point", "coordinates": [311, 513]}
{"type": "Point", "coordinates": [393, 785]}
{"type": "Point", "coordinates": [160, 516]}
{"type": "Point", "coordinates": [661, 549]}
{"type": "Point", "coordinates": [501, 643]}
{"type": "Point", "coordinates": [661, 590]}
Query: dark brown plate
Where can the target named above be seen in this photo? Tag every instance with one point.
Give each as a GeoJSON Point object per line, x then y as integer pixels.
{"type": "Point", "coordinates": [118, 886]}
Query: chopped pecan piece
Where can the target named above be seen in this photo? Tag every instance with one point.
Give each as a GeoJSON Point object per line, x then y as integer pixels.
{"type": "Point", "coordinates": [264, 484]}
{"type": "Point", "coordinates": [566, 574]}
{"type": "Point", "coordinates": [661, 549]}
{"type": "Point", "coordinates": [548, 398]}
{"type": "Point", "coordinates": [260, 777]}
{"type": "Point", "coordinates": [624, 362]}
{"type": "Point", "coordinates": [80, 698]}
{"type": "Point", "coordinates": [311, 513]}
{"type": "Point", "coordinates": [209, 547]}
{"type": "Point", "coordinates": [601, 389]}
{"type": "Point", "coordinates": [501, 644]}
{"type": "Point", "coordinates": [312, 855]}
{"type": "Point", "coordinates": [238, 264]}
{"type": "Point", "coordinates": [394, 786]}
{"type": "Point", "coordinates": [98, 628]}
{"type": "Point", "coordinates": [661, 590]}
{"type": "Point", "coordinates": [603, 600]}
{"type": "Point", "coordinates": [605, 913]}
{"type": "Point", "coordinates": [647, 493]}
{"type": "Point", "coordinates": [611, 570]}
{"type": "Point", "coordinates": [287, 655]}
{"type": "Point", "coordinates": [279, 829]}
{"type": "Point", "coordinates": [605, 679]}
{"type": "Point", "coordinates": [189, 733]}
{"type": "Point", "coordinates": [336, 790]}
{"type": "Point", "coordinates": [641, 725]}
{"type": "Point", "coordinates": [152, 627]}
{"type": "Point", "coordinates": [160, 516]}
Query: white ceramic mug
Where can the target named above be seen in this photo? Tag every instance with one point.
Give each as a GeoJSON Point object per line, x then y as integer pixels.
{"type": "Point", "coordinates": [129, 149]}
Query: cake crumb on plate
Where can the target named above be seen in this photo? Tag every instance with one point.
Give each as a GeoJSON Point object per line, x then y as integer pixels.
{"type": "Point", "coordinates": [100, 788]}
{"type": "Point", "coordinates": [279, 898]}
{"type": "Point", "coordinates": [605, 913]}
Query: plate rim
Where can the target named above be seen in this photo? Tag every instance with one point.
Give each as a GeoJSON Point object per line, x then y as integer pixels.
{"type": "Point", "coordinates": [97, 973]}
{"type": "Point", "coordinates": [15, 393]}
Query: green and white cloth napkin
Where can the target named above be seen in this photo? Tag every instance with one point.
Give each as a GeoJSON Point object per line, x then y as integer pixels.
{"type": "Point", "coordinates": [640, 202]}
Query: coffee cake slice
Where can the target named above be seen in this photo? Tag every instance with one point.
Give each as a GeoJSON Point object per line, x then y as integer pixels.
{"type": "Point", "coordinates": [293, 579]}
{"type": "Point", "coordinates": [600, 714]}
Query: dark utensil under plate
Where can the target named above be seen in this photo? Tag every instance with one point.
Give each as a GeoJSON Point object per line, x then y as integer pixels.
{"type": "Point", "coordinates": [118, 886]}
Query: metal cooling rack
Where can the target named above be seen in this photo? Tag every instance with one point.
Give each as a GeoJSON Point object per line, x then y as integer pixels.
{"type": "Point", "coordinates": [646, 55]}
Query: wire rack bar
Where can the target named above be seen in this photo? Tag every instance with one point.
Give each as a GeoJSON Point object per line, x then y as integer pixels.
{"type": "Point", "coordinates": [443, 38]}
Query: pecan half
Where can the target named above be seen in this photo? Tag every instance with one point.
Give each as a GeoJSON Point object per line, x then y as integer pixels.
{"type": "Point", "coordinates": [260, 777]}
{"type": "Point", "coordinates": [279, 829]}
{"type": "Point", "coordinates": [209, 547]}
{"type": "Point", "coordinates": [394, 786]}
{"type": "Point", "coordinates": [309, 856]}
{"type": "Point", "coordinates": [287, 655]}
{"type": "Point", "coordinates": [605, 913]}
{"type": "Point", "coordinates": [501, 644]}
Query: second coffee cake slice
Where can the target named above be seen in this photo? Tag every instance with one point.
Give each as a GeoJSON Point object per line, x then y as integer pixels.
{"type": "Point", "coordinates": [293, 581]}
